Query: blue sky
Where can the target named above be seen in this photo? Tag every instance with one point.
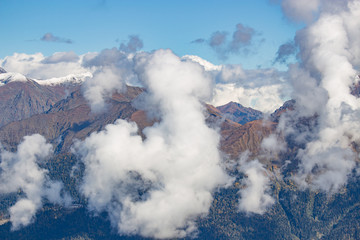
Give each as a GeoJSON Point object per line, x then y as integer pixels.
{"type": "Point", "coordinates": [93, 25]}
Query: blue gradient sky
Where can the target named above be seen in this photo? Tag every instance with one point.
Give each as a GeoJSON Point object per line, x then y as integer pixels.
{"type": "Point", "coordinates": [93, 25]}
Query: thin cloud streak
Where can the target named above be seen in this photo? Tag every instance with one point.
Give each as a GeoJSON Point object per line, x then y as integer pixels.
{"type": "Point", "coordinates": [49, 37]}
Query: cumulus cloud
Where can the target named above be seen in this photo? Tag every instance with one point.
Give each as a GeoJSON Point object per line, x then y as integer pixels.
{"type": "Point", "coordinates": [285, 51]}
{"type": "Point", "coordinates": [262, 89]}
{"type": "Point", "coordinates": [231, 73]}
{"type": "Point", "coordinates": [22, 171]}
{"type": "Point", "coordinates": [107, 57]}
{"type": "Point", "coordinates": [133, 45]}
{"type": "Point", "coordinates": [38, 66]}
{"type": "Point", "coordinates": [119, 61]}
{"type": "Point", "coordinates": [255, 197]}
{"type": "Point", "coordinates": [243, 36]}
{"type": "Point", "coordinates": [61, 57]}
{"type": "Point", "coordinates": [310, 97]}
{"type": "Point", "coordinates": [265, 99]}
{"type": "Point", "coordinates": [305, 10]}
{"type": "Point", "coordinates": [49, 37]}
{"type": "Point", "coordinates": [329, 51]}
{"type": "Point", "coordinates": [308, 11]}
{"type": "Point", "coordinates": [119, 57]}
{"type": "Point", "coordinates": [241, 41]}
{"type": "Point", "coordinates": [103, 84]}
{"type": "Point", "coordinates": [157, 186]}
{"type": "Point", "coordinates": [112, 70]}
{"type": "Point", "coordinates": [325, 170]}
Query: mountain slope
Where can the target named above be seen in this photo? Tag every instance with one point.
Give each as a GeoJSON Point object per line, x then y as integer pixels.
{"type": "Point", "coordinates": [238, 113]}
{"type": "Point", "coordinates": [69, 119]}
{"type": "Point", "coordinates": [21, 97]}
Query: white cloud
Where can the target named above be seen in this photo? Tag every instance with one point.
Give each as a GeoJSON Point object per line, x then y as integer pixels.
{"type": "Point", "coordinates": [133, 45]}
{"type": "Point", "coordinates": [272, 144]}
{"type": "Point", "coordinates": [265, 99]}
{"type": "Point", "coordinates": [208, 66]}
{"type": "Point", "coordinates": [104, 82]}
{"type": "Point", "coordinates": [255, 197]}
{"type": "Point", "coordinates": [308, 11]}
{"type": "Point", "coordinates": [261, 89]}
{"type": "Point", "coordinates": [21, 170]}
{"type": "Point", "coordinates": [38, 66]}
{"type": "Point", "coordinates": [329, 50]}
{"type": "Point", "coordinates": [159, 186]}
{"type": "Point", "coordinates": [61, 57]}
{"type": "Point", "coordinates": [304, 10]}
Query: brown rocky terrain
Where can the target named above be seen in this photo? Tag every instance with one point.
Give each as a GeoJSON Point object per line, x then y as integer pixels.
{"type": "Point", "coordinates": [249, 136]}
{"type": "Point", "coordinates": [69, 119]}
{"type": "Point", "coordinates": [23, 99]}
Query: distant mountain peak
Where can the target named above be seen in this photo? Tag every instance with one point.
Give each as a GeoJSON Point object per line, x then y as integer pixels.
{"type": "Point", "coordinates": [238, 113]}
{"type": "Point", "coordinates": [6, 77]}
{"type": "Point", "coordinates": [234, 106]}
{"type": "Point", "coordinates": [287, 106]}
{"type": "Point", "coordinates": [231, 104]}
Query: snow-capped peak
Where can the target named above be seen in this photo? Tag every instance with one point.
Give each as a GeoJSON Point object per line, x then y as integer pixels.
{"type": "Point", "coordinates": [69, 79]}
{"type": "Point", "coordinates": [208, 66]}
{"type": "Point", "coordinates": [11, 77]}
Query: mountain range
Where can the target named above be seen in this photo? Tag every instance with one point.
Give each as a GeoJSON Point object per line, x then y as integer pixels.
{"type": "Point", "coordinates": [60, 112]}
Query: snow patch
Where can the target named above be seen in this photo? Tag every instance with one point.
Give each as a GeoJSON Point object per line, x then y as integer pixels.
{"type": "Point", "coordinates": [11, 77]}
{"type": "Point", "coordinates": [69, 79]}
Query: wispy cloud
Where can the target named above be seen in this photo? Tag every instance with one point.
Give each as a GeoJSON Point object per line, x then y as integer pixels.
{"type": "Point", "coordinates": [39, 66]}
{"type": "Point", "coordinates": [255, 197]}
{"type": "Point", "coordinates": [157, 187]}
{"type": "Point", "coordinates": [240, 42]}
{"type": "Point", "coordinates": [199, 40]}
{"type": "Point", "coordinates": [134, 44]}
{"type": "Point", "coordinates": [49, 37]}
{"type": "Point", "coordinates": [21, 170]}
{"type": "Point", "coordinates": [285, 51]}
{"type": "Point", "coordinates": [325, 121]}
